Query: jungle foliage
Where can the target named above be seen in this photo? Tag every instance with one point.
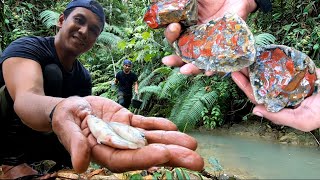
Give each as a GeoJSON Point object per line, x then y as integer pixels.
{"type": "Point", "coordinates": [189, 101]}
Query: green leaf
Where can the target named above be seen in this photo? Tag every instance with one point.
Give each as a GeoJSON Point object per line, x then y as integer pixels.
{"type": "Point", "coordinates": [179, 174]}
{"type": "Point", "coordinates": [49, 18]}
{"type": "Point", "coordinates": [136, 177]}
{"type": "Point", "coordinates": [122, 45]}
{"type": "Point", "coordinates": [168, 175]}
{"type": "Point", "coordinates": [148, 57]}
{"type": "Point", "coordinates": [307, 8]}
{"type": "Point", "coordinates": [197, 174]}
{"type": "Point", "coordinates": [186, 175]}
{"type": "Point", "coordinates": [156, 176]}
{"type": "Point", "coordinates": [145, 35]}
{"type": "Point", "coordinates": [30, 5]}
{"type": "Point", "coordinates": [264, 39]}
{"type": "Point", "coordinates": [316, 46]}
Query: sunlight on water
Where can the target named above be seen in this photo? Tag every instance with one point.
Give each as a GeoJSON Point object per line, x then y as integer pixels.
{"type": "Point", "coordinates": [254, 158]}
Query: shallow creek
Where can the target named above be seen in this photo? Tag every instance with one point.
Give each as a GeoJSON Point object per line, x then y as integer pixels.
{"type": "Point", "coordinates": [255, 158]}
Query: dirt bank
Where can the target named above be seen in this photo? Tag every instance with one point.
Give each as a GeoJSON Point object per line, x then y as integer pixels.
{"type": "Point", "coordinates": [264, 129]}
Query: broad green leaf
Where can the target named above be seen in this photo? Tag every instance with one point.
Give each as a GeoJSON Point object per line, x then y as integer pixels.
{"type": "Point", "coordinates": [149, 57]}
{"type": "Point", "coordinates": [122, 45]}
{"type": "Point", "coordinates": [145, 35]}
{"type": "Point", "coordinates": [136, 177]}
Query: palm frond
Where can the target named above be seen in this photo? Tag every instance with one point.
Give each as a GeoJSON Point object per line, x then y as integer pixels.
{"type": "Point", "coordinates": [49, 18]}
{"type": "Point", "coordinates": [264, 39]}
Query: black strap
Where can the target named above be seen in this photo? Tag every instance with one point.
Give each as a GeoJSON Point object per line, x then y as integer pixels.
{"type": "Point", "coordinates": [51, 114]}
{"type": "Point", "coordinates": [264, 5]}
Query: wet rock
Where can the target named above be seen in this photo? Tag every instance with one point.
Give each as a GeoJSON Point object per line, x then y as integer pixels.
{"type": "Point", "coordinates": [222, 45]}
{"type": "Point", "coordinates": [282, 77]}
{"type": "Point", "coordinates": [290, 138]}
{"type": "Point", "coordinates": [163, 12]}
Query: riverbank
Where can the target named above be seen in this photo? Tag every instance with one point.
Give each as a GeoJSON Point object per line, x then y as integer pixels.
{"type": "Point", "coordinates": [256, 158]}
{"type": "Point", "coordinates": [266, 130]}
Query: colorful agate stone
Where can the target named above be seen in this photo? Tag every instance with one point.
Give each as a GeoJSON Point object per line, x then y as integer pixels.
{"type": "Point", "coordinates": [282, 77]}
{"type": "Point", "coordinates": [163, 12]}
{"type": "Point", "coordinates": [223, 45]}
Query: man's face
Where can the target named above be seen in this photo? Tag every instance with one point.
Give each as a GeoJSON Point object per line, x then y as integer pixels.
{"type": "Point", "coordinates": [80, 30]}
{"type": "Point", "coordinates": [127, 68]}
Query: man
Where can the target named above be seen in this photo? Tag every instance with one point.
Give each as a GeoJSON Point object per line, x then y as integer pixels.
{"type": "Point", "coordinates": [126, 79]}
{"type": "Point", "coordinates": [45, 98]}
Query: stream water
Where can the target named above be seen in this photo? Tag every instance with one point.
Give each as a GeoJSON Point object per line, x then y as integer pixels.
{"type": "Point", "coordinates": [255, 158]}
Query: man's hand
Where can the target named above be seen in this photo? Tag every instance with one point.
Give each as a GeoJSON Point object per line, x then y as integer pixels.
{"type": "Point", "coordinates": [66, 122]}
{"type": "Point", "coordinates": [207, 10]}
{"type": "Point", "coordinates": [167, 147]}
{"type": "Point", "coordinates": [305, 117]}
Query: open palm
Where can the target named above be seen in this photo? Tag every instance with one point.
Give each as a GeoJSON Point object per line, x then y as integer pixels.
{"type": "Point", "coordinates": [305, 117]}
{"type": "Point", "coordinates": [167, 147]}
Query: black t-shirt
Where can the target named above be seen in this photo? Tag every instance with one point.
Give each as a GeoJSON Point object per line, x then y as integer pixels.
{"type": "Point", "coordinates": [126, 81]}
{"type": "Point", "coordinates": [42, 50]}
{"type": "Point", "coordinates": [20, 142]}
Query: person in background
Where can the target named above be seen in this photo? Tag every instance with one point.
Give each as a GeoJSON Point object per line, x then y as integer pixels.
{"type": "Point", "coordinates": [125, 80]}
{"type": "Point", "coordinates": [306, 117]}
{"type": "Point", "coordinates": [46, 95]}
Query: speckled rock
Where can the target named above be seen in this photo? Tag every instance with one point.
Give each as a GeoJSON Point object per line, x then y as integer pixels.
{"type": "Point", "coordinates": [223, 45]}
{"type": "Point", "coordinates": [282, 77]}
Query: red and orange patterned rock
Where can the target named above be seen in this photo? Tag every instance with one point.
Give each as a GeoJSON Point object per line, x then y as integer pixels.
{"type": "Point", "coordinates": [223, 45]}
{"type": "Point", "coordinates": [282, 77]}
{"type": "Point", "coordinates": [163, 12]}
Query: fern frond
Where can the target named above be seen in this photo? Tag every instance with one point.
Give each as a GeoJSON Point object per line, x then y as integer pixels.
{"type": "Point", "coordinates": [49, 18]}
{"type": "Point", "coordinates": [147, 92]}
{"type": "Point", "coordinates": [163, 70]}
{"type": "Point", "coordinates": [114, 29]}
{"type": "Point", "coordinates": [141, 44]}
{"type": "Point", "coordinates": [264, 39]}
{"type": "Point", "coordinates": [174, 81]}
{"type": "Point", "coordinates": [150, 89]}
{"type": "Point", "coordinates": [109, 39]}
{"type": "Point", "coordinates": [190, 112]}
{"type": "Point", "coordinates": [101, 87]}
{"type": "Point", "coordinates": [209, 99]}
{"type": "Point", "coordinates": [184, 96]}
{"type": "Point", "coordinates": [188, 107]}
{"type": "Point", "coordinates": [153, 77]}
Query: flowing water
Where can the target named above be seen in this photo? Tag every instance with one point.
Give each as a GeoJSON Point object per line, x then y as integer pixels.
{"type": "Point", "coordinates": [256, 158]}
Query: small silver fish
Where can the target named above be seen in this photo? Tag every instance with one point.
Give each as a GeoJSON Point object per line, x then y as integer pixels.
{"type": "Point", "coordinates": [129, 133]}
{"type": "Point", "coordinates": [105, 134]}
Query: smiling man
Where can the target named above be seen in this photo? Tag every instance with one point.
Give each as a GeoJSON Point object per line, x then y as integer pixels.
{"type": "Point", "coordinates": [45, 99]}
{"type": "Point", "coordinates": [35, 67]}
